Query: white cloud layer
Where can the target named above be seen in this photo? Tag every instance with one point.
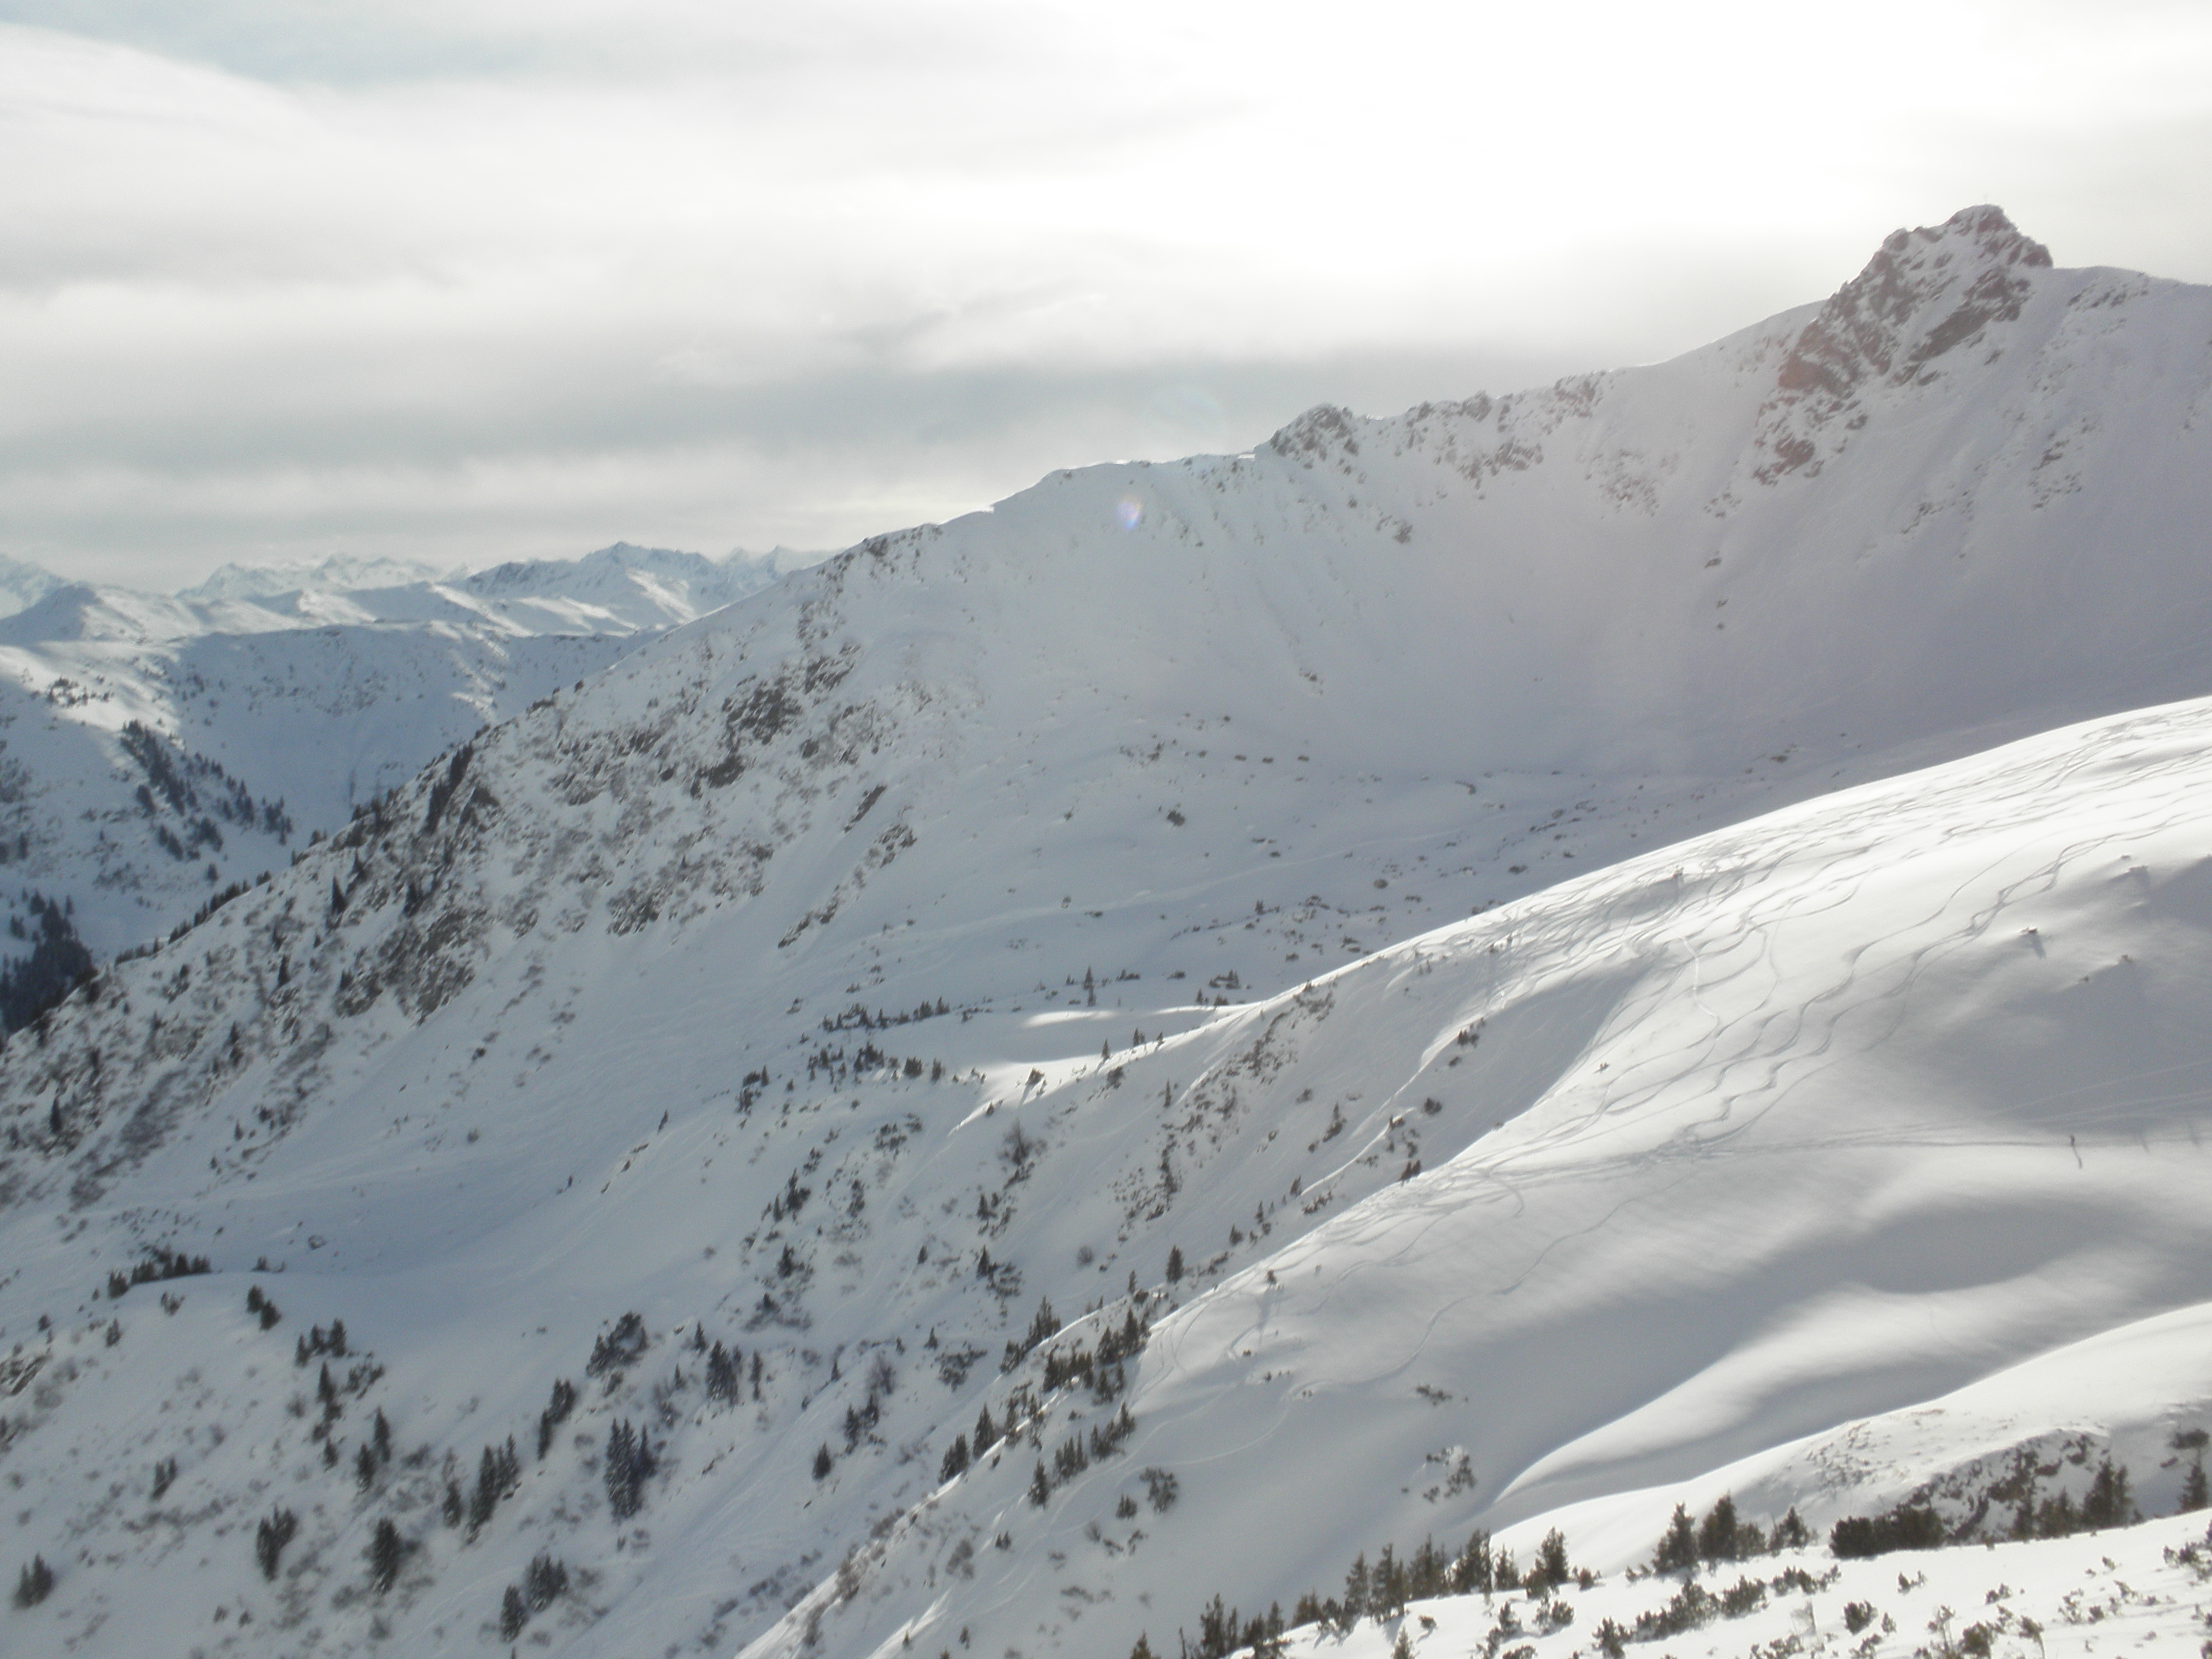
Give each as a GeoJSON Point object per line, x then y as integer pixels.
{"type": "Point", "coordinates": [490, 279]}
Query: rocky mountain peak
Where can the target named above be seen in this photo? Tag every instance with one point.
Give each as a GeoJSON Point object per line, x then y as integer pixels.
{"type": "Point", "coordinates": [1926, 292]}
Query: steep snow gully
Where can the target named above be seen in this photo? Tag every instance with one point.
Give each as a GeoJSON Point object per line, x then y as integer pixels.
{"type": "Point", "coordinates": [1495, 970]}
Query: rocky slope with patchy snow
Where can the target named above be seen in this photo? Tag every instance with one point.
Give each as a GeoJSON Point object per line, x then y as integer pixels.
{"type": "Point", "coordinates": [268, 704]}
{"type": "Point", "coordinates": [1186, 858]}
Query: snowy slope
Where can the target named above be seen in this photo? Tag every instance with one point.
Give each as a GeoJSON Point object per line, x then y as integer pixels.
{"type": "Point", "coordinates": [310, 689]}
{"type": "Point", "coordinates": [619, 589]}
{"type": "Point", "coordinates": [2073, 1596]}
{"type": "Point", "coordinates": [1750, 1140]}
{"type": "Point", "coordinates": [22, 585]}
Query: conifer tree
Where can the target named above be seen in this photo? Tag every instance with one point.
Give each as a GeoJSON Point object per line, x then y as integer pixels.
{"type": "Point", "coordinates": [385, 1552]}
{"type": "Point", "coordinates": [34, 1582]}
{"type": "Point", "coordinates": [1717, 1539]}
{"type": "Point", "coordinates": [1356, 1590]}
{"type": "Point", "coordinates": [1428, 1574]}
{"type": "Point", "coordinates": [545, 1583]}
{"type": "Point", "coordinates": [1549, 1571]}
{"type": "Point", "coordinates": [555, 1412]}
{"type": "Point", "coordinates": [1473, 1571]}
{"type": "Point", "coordinates": [721, 1374]}
{"type": "Point", "coordinates": [2109, 1502]}
{"type": "Point", "coordinates": [485, 1497]}
{"type": "Point", "coordinates": [276, 1530]}
{"type": "Point", "coordinates": [630, 1461]}
{"type": "Point", "coordinates": [2059, 1518]}
{"type": "Point", "coordinates": [1678, 1546]}
{"type": "Point", "coordinates": [2194, 1492]}
{"type": "Point", "coordinates": [1386, 1586]}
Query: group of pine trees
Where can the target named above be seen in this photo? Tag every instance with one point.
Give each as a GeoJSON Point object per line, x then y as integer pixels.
{"type": "Point", "coordinates": [618, 1349]}
{"type": "Point", "coordinates": [2110, 1502]}
{"type": "Point", "coordinates": [1693, 1606]}
{"type": "Point", "coordinates": [1383, 1589]}
{"type": "Point", "coordinates": [32, 986]}
{"type": "Point", "coordinates": [555, 1415]}
{"type": "Point", "coordinates": [277, 1528]}
{"type": "Point", "coordinates": [259, 1303]}
{"type": "Point", "coordinates": [157, 1266]}
{"type": "Point", "coordinates": [1380, 1591]}
{"type": "Point", "coordinates": [629, 1463]}
{"type": "Point", "coordinates": [34, 1583]}
{"type": "Point", "coordinates": [373, 1452]}
{"type": "Point", "coordinates": [545, 1582]}
{"type": "Point", "coordinates": [957, 1457]}
{"type": "Point", "coordinates": [725, 1374]}
{"type": "Point", "coordinates": [1073, 1455]}
{"type": "Point", "coordinates": [1722, 1535]}
{"type": "Point", "coordinates": [499, 1475]}
{"type": "Point", "coordinates": [317, 1341]}
{"type": "Point", "coordinates": [1099, 1371]}
{"type": "Point", "coordinates": [172, 773]}
{"type": "Point", "coordinates": [1042, 1325]}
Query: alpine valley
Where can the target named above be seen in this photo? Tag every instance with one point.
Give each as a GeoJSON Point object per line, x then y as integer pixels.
{"type": "Point", "coordinates": [1048, 1085]}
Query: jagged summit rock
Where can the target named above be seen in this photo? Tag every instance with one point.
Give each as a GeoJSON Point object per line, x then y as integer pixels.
{"type": "Point", "coordinates": [1925, 294]}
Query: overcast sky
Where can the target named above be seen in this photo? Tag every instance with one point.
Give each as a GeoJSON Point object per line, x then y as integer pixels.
{"type": "Point", "coordinates": [485, 279]}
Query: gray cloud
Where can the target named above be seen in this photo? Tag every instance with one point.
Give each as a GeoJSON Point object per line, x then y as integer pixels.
{"type": "Point", "coordinates": [274, 41]}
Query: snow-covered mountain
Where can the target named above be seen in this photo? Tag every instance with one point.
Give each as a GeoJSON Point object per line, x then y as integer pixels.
{"type": "Point", "coordinates": [22, 585]}
{"type": "Point", "coordinates": [1485, 969]}
{"type": "Point", "coordinates": [268, 703]}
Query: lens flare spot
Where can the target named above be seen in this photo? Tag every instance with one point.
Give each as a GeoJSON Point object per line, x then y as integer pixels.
{"type": "Point", "coordinates": [1128, 513]}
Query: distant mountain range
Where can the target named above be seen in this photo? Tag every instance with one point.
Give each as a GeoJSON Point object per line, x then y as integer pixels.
{"type": "Point", "coordinates": [1497, 970]}
{"type": "Point", "coordinates": [309, 688]}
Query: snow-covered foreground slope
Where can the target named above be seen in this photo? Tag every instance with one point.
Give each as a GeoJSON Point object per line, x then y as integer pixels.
{"type": "Point", "coordinates": [279, 700]}
{"type": "Point", "coordinates": [840, 975]}
{"type": "Point", "coordinates": [2073, 1596]}
{"type": "Point", "coordinates": [1806, 1122]}
{"type": "Point", "coordinates": [1786, 1127]}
